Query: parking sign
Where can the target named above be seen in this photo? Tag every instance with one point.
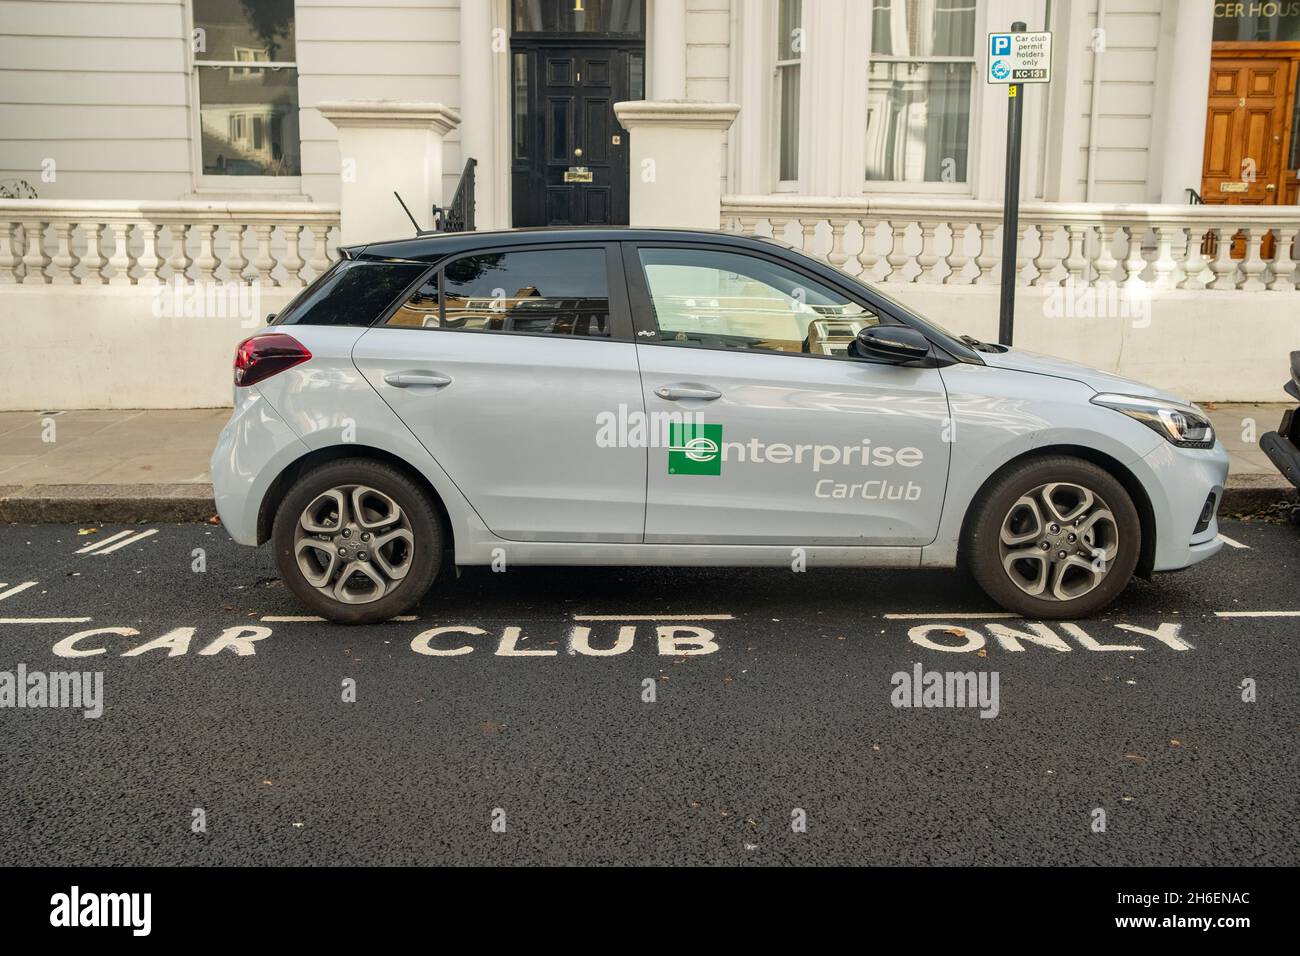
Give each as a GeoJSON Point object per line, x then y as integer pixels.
{"type": "Point", "coordinates": [1020, 58]}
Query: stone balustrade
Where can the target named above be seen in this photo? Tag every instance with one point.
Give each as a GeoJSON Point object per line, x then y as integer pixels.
{"type": "Point", "coordinates": [959, 242]}
{"type": "Point", "coordinates": [92, 242]}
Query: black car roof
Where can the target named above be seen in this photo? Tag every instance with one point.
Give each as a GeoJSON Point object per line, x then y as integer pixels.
{"type": "Point", "coordinates": [432, 246]}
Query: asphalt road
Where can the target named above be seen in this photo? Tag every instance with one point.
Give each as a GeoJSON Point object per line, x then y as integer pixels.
{"type": "Point", "coordinates": [786, 706]}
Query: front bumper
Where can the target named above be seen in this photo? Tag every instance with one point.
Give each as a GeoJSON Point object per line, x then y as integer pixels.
{"type": "Point", "coordinates": [1179, 483]}
{"type": "Point", "coordinates": [252, 450]}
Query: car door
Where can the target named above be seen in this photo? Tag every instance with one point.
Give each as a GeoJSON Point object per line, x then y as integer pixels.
{"type": "Point", "coordinates": [775, 435]}
{"type": "Point", "coordinates": [504, 362]}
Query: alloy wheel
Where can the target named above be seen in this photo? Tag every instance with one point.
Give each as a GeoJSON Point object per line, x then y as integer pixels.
{"type": "Point", "coordinates": [353, 544]}
{"type": "Point", "coordinates": [1057, 541]}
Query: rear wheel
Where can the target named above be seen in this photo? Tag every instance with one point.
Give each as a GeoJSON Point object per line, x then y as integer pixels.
{"type": "Point", "coordinates": [357, 541]}
{"type": "Point", "coordinates": [1054, 537]}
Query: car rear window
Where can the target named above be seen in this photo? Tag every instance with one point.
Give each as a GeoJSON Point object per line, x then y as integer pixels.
{"type": "Point", "coordinates": [353, 292]}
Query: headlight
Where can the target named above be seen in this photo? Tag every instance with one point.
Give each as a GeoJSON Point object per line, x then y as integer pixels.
{"type": "Point", "coordinates": [1184, 425]}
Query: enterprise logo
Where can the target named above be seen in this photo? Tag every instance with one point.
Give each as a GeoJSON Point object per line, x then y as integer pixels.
{"type": "Point", "coordinates": [694, 449]}
{"type": "Point", "coordinates": [697, 449]}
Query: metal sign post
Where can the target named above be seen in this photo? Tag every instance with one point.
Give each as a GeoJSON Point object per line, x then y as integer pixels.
{"type": "Point", "coordinates": [1015, 58]}
{"type": "Point", "coordinates": [1011, 208]}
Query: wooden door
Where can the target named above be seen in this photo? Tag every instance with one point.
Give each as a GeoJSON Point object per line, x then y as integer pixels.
{"type": "Point", "coordinates": [1244, 131]}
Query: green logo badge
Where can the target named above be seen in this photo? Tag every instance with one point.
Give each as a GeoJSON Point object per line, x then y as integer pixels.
{"type": "Point", "coordinates": [694, 449]}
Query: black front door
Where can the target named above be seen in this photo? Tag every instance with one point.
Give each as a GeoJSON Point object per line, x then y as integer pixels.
{"type": "Point", "coordinates": [570, 154]}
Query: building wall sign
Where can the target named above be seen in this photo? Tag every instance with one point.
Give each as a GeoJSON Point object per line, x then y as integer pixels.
{"type": "Point", "coordinates": [1257, 21]}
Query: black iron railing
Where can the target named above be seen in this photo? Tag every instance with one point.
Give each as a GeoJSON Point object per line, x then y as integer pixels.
{"type": "Point", "coordinates": [458, 216]}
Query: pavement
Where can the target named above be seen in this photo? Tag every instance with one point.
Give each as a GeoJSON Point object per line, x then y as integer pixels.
{"type": "Point", "coordinates": [152, 465]}
{"type": "Point", "coordinates": [735, 716]}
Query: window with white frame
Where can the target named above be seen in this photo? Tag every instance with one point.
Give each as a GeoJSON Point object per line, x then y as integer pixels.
{"type": "Point", "coordinates": [245, 62]}
{"type": "Point", "coordinates": [919, 87]}
{"type": "Point", "coordinates": [789, 51]}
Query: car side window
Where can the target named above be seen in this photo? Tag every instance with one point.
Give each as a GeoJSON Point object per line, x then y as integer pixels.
{"type": "Point", "coordinates": [353, 292]}
{"type": "Point", "coordinates": [538, 291]}
{"type": "Point", "coordinates": [711, 299]}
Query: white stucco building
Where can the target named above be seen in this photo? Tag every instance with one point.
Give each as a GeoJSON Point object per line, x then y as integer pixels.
{"type": "Point", "coordinates": [224, 141]}
{"type": "Point", "coordinates": [121, 100]}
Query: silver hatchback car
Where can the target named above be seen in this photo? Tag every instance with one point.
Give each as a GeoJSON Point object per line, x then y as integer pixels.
{"type": "Point", "coordinates": [657, 397]}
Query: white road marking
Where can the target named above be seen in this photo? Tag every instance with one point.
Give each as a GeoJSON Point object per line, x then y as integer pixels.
{"type": "Point", "coordinates": [1233, 544]}
{"type": "Point", "coordinates": [103, 541]}
{"type": "Point", "coordinates": [311, 619]}
{"type": "Point", "coordinates": [1257, 613]}
{"type": "Point", "coordinates": [939, 637]}
{"type": "Point", "coordinates": [960, 616]}
{"type": "Point", "coordinates": [16, 589]}
{"type": "Point", "coordinates": [44, 620]}
{"type": "Point", "coordinates": [132, 540]}
{"type": "Point", "coordinates": [653, 617]}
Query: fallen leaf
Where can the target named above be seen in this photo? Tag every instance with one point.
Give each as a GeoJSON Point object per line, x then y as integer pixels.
{"type": "Point", "coordinates": [1137, 758]}
{"type": "Point", "coordinates": [88, 531]}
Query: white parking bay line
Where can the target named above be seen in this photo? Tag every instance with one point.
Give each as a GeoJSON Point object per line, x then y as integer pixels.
{"type": "Point", "coordinates": [312, 619]}
{"type": "Point", "coordinates": [45, 620]}
{"type": "Point", "coordinates": [103, 541]}
{"type": "Point", "coordinates": [122, 544]}
{"type": "Point", "coordinates": [1257, 613]}
{"type": "Point", "coordinates": [17, 589]}
{"type": "Point", "coordinates": [653, 617]}
{"type": "Point", "coordinates": [959, 616]}
{"type": "Point", "coordinates": [1233, 544]}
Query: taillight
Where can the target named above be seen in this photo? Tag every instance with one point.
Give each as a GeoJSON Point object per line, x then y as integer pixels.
{"type": "Point", "coordinates": [264, 355]}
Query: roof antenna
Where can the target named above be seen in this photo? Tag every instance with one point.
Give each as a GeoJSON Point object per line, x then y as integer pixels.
{"type": "Point", "coordinates": [418, 230]}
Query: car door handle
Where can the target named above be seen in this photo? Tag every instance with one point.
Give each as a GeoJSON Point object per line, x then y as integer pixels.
{"type": "Point", "coordinates": [675, 393]}
{"type": "Point", "coordinates": [405, 379]}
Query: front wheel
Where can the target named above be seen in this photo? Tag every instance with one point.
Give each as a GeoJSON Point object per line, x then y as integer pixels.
{"type": "Point", "coordinates": [357, 541]}
{"type": "Point", "coordinates": [1052, 538]}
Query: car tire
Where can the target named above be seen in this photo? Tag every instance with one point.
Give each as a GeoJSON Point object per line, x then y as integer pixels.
{"type": "Point", "coordinates": [382, 509]}
{"type": "Point", "coordinates": [1095, 548]}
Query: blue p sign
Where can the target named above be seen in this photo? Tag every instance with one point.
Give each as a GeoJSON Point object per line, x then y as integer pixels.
{"type": "Point", "coordinates": [1001, 44]}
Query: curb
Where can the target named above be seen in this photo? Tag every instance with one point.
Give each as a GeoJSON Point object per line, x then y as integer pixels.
{"type": "Point", "coordinates": [1255, 494]}
{"type": "Point", "coordinates": [106, 504]}
{"type": "Point", "coordinates": [180, 503]}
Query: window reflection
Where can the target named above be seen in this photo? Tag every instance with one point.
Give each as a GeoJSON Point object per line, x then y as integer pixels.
{"type": "Point", "coordinates": [550, 292]}
{"type": "Point", "coordinates": [918, 121]}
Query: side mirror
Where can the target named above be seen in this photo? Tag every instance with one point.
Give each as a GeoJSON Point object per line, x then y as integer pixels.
{"type": "Point", "coordinates": [894, 343]}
